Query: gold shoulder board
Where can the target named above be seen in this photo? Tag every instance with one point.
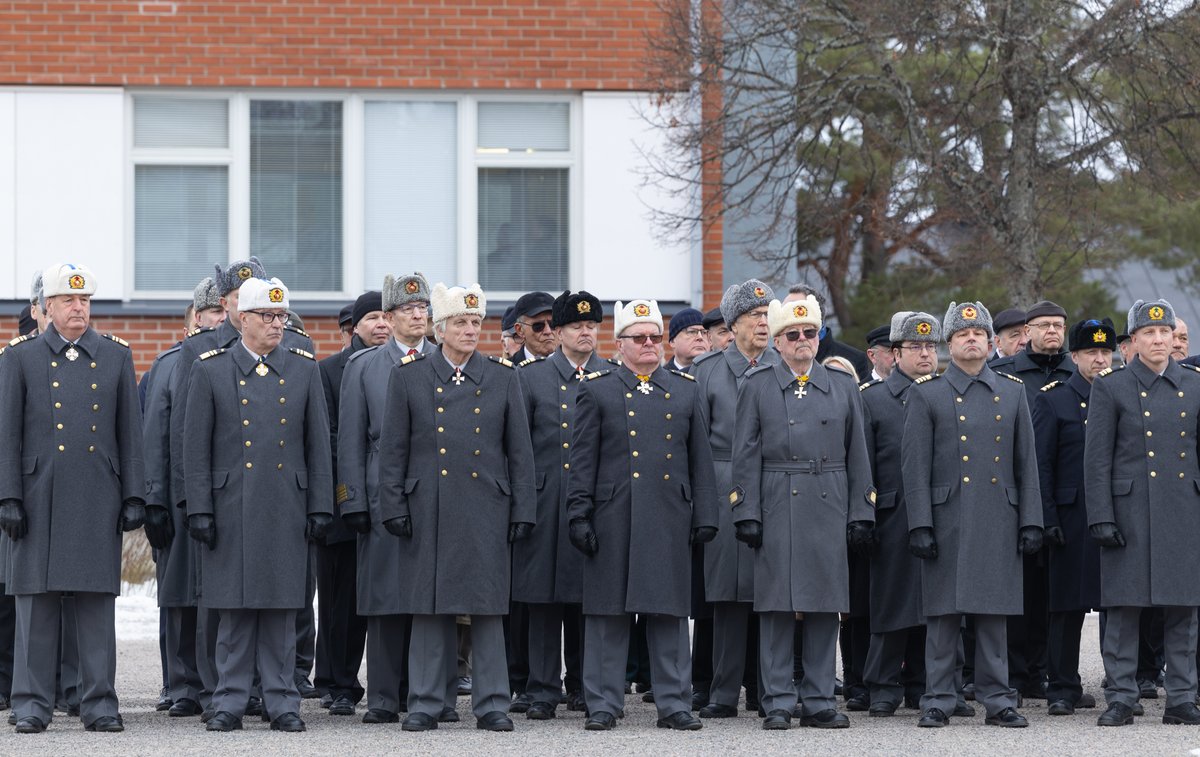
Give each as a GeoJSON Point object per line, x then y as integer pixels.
{"type": "Point", "coordinates": [508, 363]}
{"type": "Point", "coordinates": [210, 353]}
{"type": "Point", "coordinates": [923, 379]}
{"type": "Point", "coordinates": [18, 340]}
{"type": "Point", "coordinates": [117, 339]}
{"type": "Point", "coordinates": [1010, 377]}
{"type": "Point", "coordinates": [1049, 386]}
{"type": "Point", "coordinates": [681, 374]}
{"type": "Point", "coordinates": [303, 353]}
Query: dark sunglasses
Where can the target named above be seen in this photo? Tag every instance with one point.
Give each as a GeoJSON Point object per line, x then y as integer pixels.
{"type": "Point", "coordinates": [641, 338]}
{"type": "Point", "coordinates": [794, 336]}
{"type": "Point", "coordinates": [537, 326]}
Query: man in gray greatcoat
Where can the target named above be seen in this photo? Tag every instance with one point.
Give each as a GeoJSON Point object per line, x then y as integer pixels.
{"type": "Point", "coordinates": [801, 493]}
{"type": "Point", "coordinates": [405, 303]}
{"type": "Point", "coordinates": [1141, 479]}
{"type": "Point", "coordinates": [728, 563]}
{"type": "Point", "coordinates": [547, 571]}
{"type": "Point", "coordinates": [259, 488]}
{"type": "Point", "coordinates": [895, 660]}
{"type": "Point", "coordinates": [71, 481]}
{"type": "Point", "coordinates": [641, 492]}
{"type": "Point", "coordinates": [974, 507]}
{"type": "Point", "coordinates": [456, 486]}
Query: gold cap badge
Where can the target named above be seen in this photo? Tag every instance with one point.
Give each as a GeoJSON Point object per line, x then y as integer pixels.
{"type": "Point", "coordinates": [244, 272]}
{"type": "Point", "coordinates": [924, 328]}
{"type": "Point", "coordinates": [583, 307]}
{"type": "Point", "coordinates": [641, 311]}
{"type": "Point", "coordinates": [970, 313]}
{"type": "Point", "coordinates": [1156, 313]}
{"type": "Point", "coordinates": [275, 294]}
{"type": "Point", "coordinates": [412, 287]}
{"type": "Point", "coordinates": [800, 311]}
{"type": "Point", "coordinates": [471, 300]}
{"type": "Point", "coordinates": [75, 282]}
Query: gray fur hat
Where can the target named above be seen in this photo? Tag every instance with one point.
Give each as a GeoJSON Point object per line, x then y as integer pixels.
{"type": "Point", "coordinates": [968, 315]}
{"type": "Point", "coordinates": [742, 298]}
{"type": "Point", "coordinates": [205, 296]}
{"type": "Point", "coordinates": [35, 289]}
{"type": "Point", "coordinates": [236, 273]}
{"type": "Point", "coordinates": [403, 290]}
{"type": "Point", "coordinates": [915, 326]}
{"type": "Point", "coordinates": [1150, 313]}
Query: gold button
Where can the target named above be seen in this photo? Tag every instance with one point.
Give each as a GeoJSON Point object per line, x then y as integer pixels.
{"type": "Point", "coordinates": [59, 404]}
{"type": "Point", "coordinates": [478, 392]}
{"type": "Point", "coordinates": [242, 382]}
{"type": "Point", "coordinates": [997, 417]}
{"type": "Point", "coordinates": [1153, 474]}
{"type": "Point", "coordinates": [443, 471]}
{"type": "Point", "coordinates": [477, 430]}
{"type": "Point", "coordinates": [477, 411]}
{"type": "Point", "coordinates": [282, 400]}
{"type": "Point", "coordinates": [668, 416]}
{"type": "Point", "coordinates": [245, 402]}
{"type": "Point", "coordinates": [962, 438]}
{"type": "Point", "coordinates": [564, 407]}
{"type": "Point", "coordinates": [635, 453]}
{"type": "Point", "coordinates": [566, 466]}
{"type": "Point", "coordinates": [93, 429]}
{"type": "Point", "coordinates": [280, 442]}
{"type": "Point", "coordinates": [441, 430]}
{"type": "Point", "coordinates": [245, 423]}
{"type": "Point", "coordinates": [62, 448]}
{"type": "Point", "coordinates": [633, 433]}
{"type": "Point", "coordinates": [667, 396]}
{"type": "Point", "coordinates": [794, 492]}
{"type": "Point", "coordinates": [247, 442]}
{"type": "Point", "coordinates": [1149, 433]}
{"type": "Point", "coordinates": [993, 479]}
{"type": "Point", "coordinates": [966, 458]}
{"type": "Point", "coordinates": [439, 390]}
{"type": "Point", "coordinates": [562, 388]}
{"type": "Point", "coordinates": [628, 396]}
{"type": "Point", "coordinates": [1146, 413]}
{"type": "Point", "coordinates": [1083, 404]}
{"type": "Point", "coordinates": [966, 479]}
{"type": "Point", "coordinates": [59, 427]}
{"type": "Point", "coordinates": [995, 459]}
{"type": "Point", "coordinates": [94, 407]}
{"type": "Point", "coordinates": [668, 455]}
{"type": "Point", "coordinates": [249, 465]}
{"type": "Point", "coordinates": [91, 449]}
{"type": "Point", "coordinates": [442, 451]}
{"type": "Point", "coordinates": [281, 382]}
{"type": "Point", "coordinates": [279, 467]}
{"type": "Point", "coordinates": [630, 413]}
{"type": "Point", "coordinates": [441, 409]}
{"type": "Point", "coordinates": [1181, 394]}
{"type": "Point", "coordinates": [668, 437]}
{"type": "Point", "coordinates": [474, 474]}
{"type": "Point", "coordinates": [962, 417]}
{"type": "Point", "coordinates": [564, 425]}
{"type": "Point", "coordinates": [958, 399]}
{"type": "Point", "coordinates": [93, 386]}
{"type": "Point", "coordinates": [1143, 394]}
{"type": "Point", "coordinates": [666, 477]}
{"type": "Point", "coordinates": [566, 445]}
{"type": "Point", "coordinates": [1150, 453]}
{"type": "Point", "coordinates": [283, 421]}
{"type": "Point", "coordinates": [478, 453]}
{"type": "Point", "coordinates": [1181, 475]}
{"type": "Point", "coordinates": [635, 474]}
{"type": "Point", "coordinates": [93, 365]}
{"type": "Point", "coordinates": [995, 399]}
{"type": "Point", "coordinates": [997, 438]}
{"type": "Point", "coordinates": [53, 364]}
{"type": "Point", "coordinates": [54, 384]}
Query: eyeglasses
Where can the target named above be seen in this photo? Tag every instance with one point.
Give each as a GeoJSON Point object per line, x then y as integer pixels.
{"type": "Point", "coordinates": [269, 317]}
{"type": "Point", "coordinates": [757, 315]}
{"type": "Point", "coordinates": [1049, 326]}
{"type": "Point", "coordinates": [416, 308]}
{"type": "Point", "coordinates": [794, 336]}
{"type": "Point", "coordinates": [919, 347]}
{"type": "Point", "coordinates": [537, 326]}
{"type": "Point", "coordinates": [641, 338]}
{"type": "Point", "coordinates": [695, 331]}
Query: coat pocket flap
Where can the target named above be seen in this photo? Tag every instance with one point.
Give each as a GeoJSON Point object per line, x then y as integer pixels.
{"type": "Point", "coordinates": [1064, 496]}
{"type": "Point", "coordinates": [410, 484]}
{"type": "Point", "coordinates": [505, 489]}
{"type": "Point", "coordinates": [302, 479]}
{"type": "Point", "coordinates": [1122, 486]}
{"type": "Point", "coordinates": [939, 494]}
{"type": "Point", "coordinates": [219, 478]}
{"type": "Point", "coordinates": [687, 491]}
{"type": "Point", "coordinates": [28, 465]}
{"type": "Point", "coordinates": [886, 500]}
{"type": "Point", "coordinates": [539, 480]}
{"type": "Point", "coordinates": [604, 492]}
{"type": "Point", "coordinates": [1014, 495]}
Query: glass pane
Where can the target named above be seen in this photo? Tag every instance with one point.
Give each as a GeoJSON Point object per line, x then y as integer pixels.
{"type": "Point", "coordinates": [524, 127]}
{"type": "Point", "coordinates": [181, 224]}
{"type": "Point", "coordinates": [411, 191]}
{"type": "Point", "coordinates": [523, 225]}
{"type": "Point", "coordinates": [296, 192]}
{"type": "Point", "coordinates": [180, 123]}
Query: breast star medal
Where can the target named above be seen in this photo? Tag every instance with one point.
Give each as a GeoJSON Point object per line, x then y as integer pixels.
{"type": "Point", "coordinates": [72, 353]}
{"type": "Point", "coordinates": [644, 386]}
{"type": "Point", "coordinates": [261, 369]}
{"type": "Point", "coordinates": [458, 377]}
{"type": "Point", "coordinates": [802, 386]}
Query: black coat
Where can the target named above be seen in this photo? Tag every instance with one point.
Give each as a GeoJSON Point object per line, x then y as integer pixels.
{"type": "Point", "coordinates": [332, 368]}
{"type": "Point", "coordinates": [1034, 374]}
{"type": "Point", "coordinates": [830, 347]}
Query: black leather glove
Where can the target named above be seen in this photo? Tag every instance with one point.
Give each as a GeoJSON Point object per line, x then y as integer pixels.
{"type": "Point", "coordinates": [203, 529]}
{"type": "Point", "coordinates": [748, 532]}
{"type": "Point", "coordinates": [132, 517]}
{"type": "Point", "coordinates": [702, 535]}
{"type": "Point", "coordinates": [12, 519]}
{"type": "Point", "coordinates": [1054, 536]}
{"type": "Point", "coordinates": [317, 525]}
{"type": "Point", "coordinates": [1029, 540]}
{"type": "Point", "coordinates": [1107, 534]}
{"type": "Point", "coordinates": [519, 531]}
{"type": "Point", "coordinates": [400, 526]}
{"type": "Point", "coordinates": [583, 536]}
{"type": "Point", "coordinates": [160, 529]}
{"type": "Point", "coordinates": [860, 535]}
{"type": "Point", "coordinates": [922, 544]}
{"type": "Point", "coordinates": [358, 522]}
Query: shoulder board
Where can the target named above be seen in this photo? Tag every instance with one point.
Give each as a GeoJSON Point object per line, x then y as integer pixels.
{"type": "Point", "coordinates": [199, 330]}
{"type": "Point", "coordinates": [923, 379]}
{"type": "Point", "coordinates": [681, 374]}
{"type": "Point", "coordinates": [1110, 369]}
{"type": "Point", "coordinates": [1189, 365]}
{"type": "Point", "coordinates": [295, 330]}
{"type": "Point", "coordinates": [1010, 377]}
{"type": "Point", "coordinates": [1050, 386]}
{"type": "Point", "coordinates": [211, 353]}
{"type": "Point", "coordinates": [521, 364]}
{"type": "Point", "coordinates": [865, 384]}
{"type": "Point", "coordinates": [508, 363]}
{"type": "Point", "coordinates": [116, 339]}
{"type": "Point", "coordinates": [614, 361]}
{"type": "Point", "coordinates": [21, 338]}
{"type": "Point", "coordinates": [166, 352]}
{"type": "Point", "coordinates": [706, 356]}
{"type": "Point", "coordinates": [410, 358]}
{"type": "Point", "coordinates": [596, 375]}
{"type": "Point", "coordinates": [302, 353]}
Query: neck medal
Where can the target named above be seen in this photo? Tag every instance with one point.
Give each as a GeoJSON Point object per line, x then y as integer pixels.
{"type": "Point", "coordinates": [803, 385]}
{"type": "Point", "coordinates": [261, 369]}
{"type": "Point", "coordinates": [644, 387]}
{"type": "Point", "coordinates": [458, 377]}
{"type": "Point", "coordinates": [72, 353]}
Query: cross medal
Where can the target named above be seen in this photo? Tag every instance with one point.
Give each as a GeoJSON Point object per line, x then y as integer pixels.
{"type": "Point", "coordinates": [458, 377]}
{"type": "Point", "coordinates": [801, 387]}
{"type": "Point", "coordinates": [261, 369]}
{"type": "Point", "coordinates": [644, 386]}
{"type": "Point", "coordinates": [72, 353]}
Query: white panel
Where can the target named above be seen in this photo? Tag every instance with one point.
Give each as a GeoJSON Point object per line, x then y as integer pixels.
{"type": "Point", "coordinates": [70, 185]}
{"type": "Point", "coordinates": [8, 201]}
{"type": "Point", "coordinates": [624, 255]}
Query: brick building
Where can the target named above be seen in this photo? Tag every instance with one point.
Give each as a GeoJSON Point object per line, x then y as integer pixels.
{"type": "Point", "coordinates": [498, 141]}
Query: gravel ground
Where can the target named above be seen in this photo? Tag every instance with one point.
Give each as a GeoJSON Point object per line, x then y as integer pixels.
{"type": "Point", "coordinates": [149, 732]}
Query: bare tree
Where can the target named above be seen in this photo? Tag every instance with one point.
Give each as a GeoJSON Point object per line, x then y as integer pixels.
{"type": "Point", "coordinates": [845, 132]}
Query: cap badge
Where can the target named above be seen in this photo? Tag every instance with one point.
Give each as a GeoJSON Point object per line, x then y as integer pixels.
{"type": "Point", "coordinates": [412, 287]}
{"type": "Point", "coordinates": [641, 310]}
{"type": "Point", "coordinates": [760, 292]}
{"type": "Point", "coordinates": [924, 328]}
{"type": "Point", "coordinates": [970, 313]}
{"type": "Point", "coordinates": [800, 311]}
{"type": "Point", "coordinates": [1156, 313]}
{"type": "Point", "coordinates": [75, 282]}
{"type": "Point", "coordinates": [583, 307]}
{"type": "Point", "coordinates": [275, 294]}
{"type": "Point", "coordinates": [1099, 337]}
{"type": "Point", "coordinates": [471, 300]}
{"type": "Point", "coordinates": [244, 272]}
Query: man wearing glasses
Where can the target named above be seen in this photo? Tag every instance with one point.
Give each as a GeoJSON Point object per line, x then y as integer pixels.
{"type": "Point", "coordinates": [533, 327]}
{"type": "Point", "coordinates": [802, 492]}
{"type": "Point", "coordinates": [259, 488]}
{"type": "Point", "coordinates": [640, 493]}
{"type": "Point", "coordinates": [688, 339]}
{"type": "Point", "coordinates": [729, 564]}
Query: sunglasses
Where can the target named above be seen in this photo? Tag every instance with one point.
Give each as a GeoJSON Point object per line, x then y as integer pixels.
{"type": "Point", "coordinates": [794, 336]}
{"type": "Point", "coordinates": [537, 326]}
{"type": "Point", "coordinates": [641, 338]}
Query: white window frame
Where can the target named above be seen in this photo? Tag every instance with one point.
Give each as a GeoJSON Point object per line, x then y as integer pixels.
{"type": "Point", "coordinates": [236, 157]}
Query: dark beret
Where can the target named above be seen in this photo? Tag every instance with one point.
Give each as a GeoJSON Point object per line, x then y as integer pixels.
{"type": "Point", "coordinates": [367, 302]}
{"type": "Point", "coordinates": [685, 318]}
{"type": "Point", "coordinates": [1006, 319]}
{"type": "Point", "coordinates": [1045, 307]}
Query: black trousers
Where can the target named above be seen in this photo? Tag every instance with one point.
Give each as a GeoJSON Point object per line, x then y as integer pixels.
{"type": "Point", "coordinates": [1151, 654]}
{"type": "Point", "coordinates": [516, 642]}
{"type": "Point", "coordinates": [306, 627]}
{"type": "Point", "coordinates": [702, 654]}
{"type": "Point", "coordinates": [855, 642]}
{"type": "Point", "coordinates": [1062, 656]}
{"type": "Point", "coordinates": [1027, 633]}
{"type": "Point", "coordinates": [341, 632]}
{"type": "Point", "coordinates": [8, 637]}
{"type": "Point", "coordinates": [573, 647]}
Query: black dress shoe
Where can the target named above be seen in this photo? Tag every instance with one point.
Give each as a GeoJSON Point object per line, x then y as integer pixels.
{"type": "Point", "coordinates": [288, 722]}
{"type": "Point", "coordinates": [1138, 710]}
{"type": "Point", "coordinates": [963, 710]}
{"type": "Point", "coordinates": [859, 703]}
{"type": "Point", "coordinates": [341, 706]}
{"type": "Point", "coordinates": [1060, 707]}
{"type": "Point", "coordinates": [1086, 702]}
{"type": "Point", "coordinates": [448, 715]}
{"type": "Point", "coordinates": [575, 701]}
{"type": "Point", "coordinates": [30, 724]}
{"type": "Point", "coordinates": [1117, 714]}
{"type": "Point", "coordinates": [185, 708]}
{"type": "Point", "coordinates": [494, 721]}
{"type": "Point", "coordinates": [540, 711]}
{"type": "Point", "coordinates": [838, 688]}
{"type": "Point", "coordinates": [777, 720]}
{"type": "Point", "coordinates": [4, 703]}
{"type": "Point", "coordinates": [224, 722]}
{"type": "Point", "coordinates": [207, 715]}
{"type": "Point", "coordinates": [254, 707]}
{"type": "Point", "coordinates": [306, 689]}
{"type": "Point", "coordinates": [680, 721]}
{"type": "Point", "coordinates": [933, 718]}
{"type": "Point", "coordinates": [716, 710]}
{"type": "Point", "coordinates": [164, 700]}
{"type": "Point", "coordinates": [1182, 714]}
{"type": "Point", "coordinates": [648, 695]}
{"type": "Point", "coordinates": [12, 718]}
{"type": "Point", "coordinates": [600, 721]}
{"type": "Point", "coordinates": [699, 699]}
{"type": "Point", "coordinates": [825, 719]}
{"type": "Point", "coordinates": [1034, 691]}
{"type": "Point", "coordinates": [882, 709]}
{"type": "Point", "coordinates": [1147, 690]}
{"type": "Point", "coordinates": [520, 703]}
{"type": "Point", "coordinates": [326, 701]}
{"type": "Point", "coordinates": [377, 715]}
{"type": "Point", "coordinates": [419, 721]}
{"type": "Point", "coordinates": [1007, 718]}
{"type": "Point", "coordinates": [969, 692]}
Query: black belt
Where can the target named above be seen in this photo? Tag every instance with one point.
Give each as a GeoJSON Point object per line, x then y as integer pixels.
{"type": "Point", "coordinates": [803, 466]}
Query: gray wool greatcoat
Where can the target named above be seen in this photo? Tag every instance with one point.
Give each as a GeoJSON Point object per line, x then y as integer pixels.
{"type": "Point", "coordinates": [455, 457]}
{"type": "Point", "coordinates": [258, 461]}
{"type": "Point", "coordinates": [895, 595]}
{"type": "Point", "coordinates": [72, 453]}
{"type": "Point", "coordinates": [728, 563]}
{"type": "Point", "coordinates": [1141, 472]}
{"type": "Point", "coordinates": [175, 564]}
{"type": "Point", "coordinates": [641, 469]}
{"type": "Point", "coordinates": [382, 566]}
{"type": "Point", "coordinates": [546, 568]}
{"type": "Point", "coordinates": [800, 468]}
{"type": "Point", "coordinates": [970, 473]}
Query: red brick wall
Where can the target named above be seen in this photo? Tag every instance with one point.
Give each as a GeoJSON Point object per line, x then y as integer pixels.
{"type": "Point", "coordinates": [476, 44]}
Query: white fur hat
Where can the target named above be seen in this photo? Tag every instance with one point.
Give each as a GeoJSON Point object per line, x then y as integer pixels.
{"type": "Point", "coordinates": [448, 302]}
{"type": "Point", "coordinates": [637, 311]}
{"type": "Point", "coordinates": [67, 278]}
{"type": "Point", "coordinates": [806, 312]}
{"type": "Point", "coordinates": [258, 294]}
